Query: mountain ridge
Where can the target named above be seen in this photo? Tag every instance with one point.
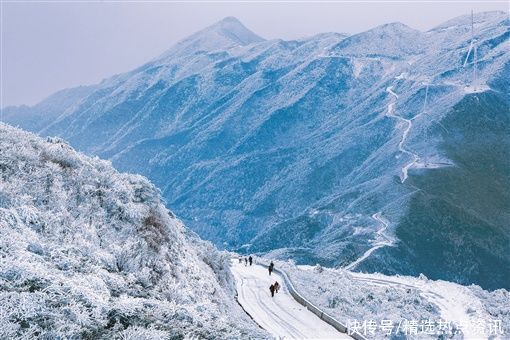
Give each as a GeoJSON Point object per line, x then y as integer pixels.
{"type": "Point", "coordinates": [299, 135]}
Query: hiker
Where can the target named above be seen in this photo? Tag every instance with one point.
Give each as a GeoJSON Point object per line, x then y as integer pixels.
{"type": "Point", "coordinates": [250, 259]}
{"type": "Point", "coordinates": [272, 289]}
{"type": "Point", "coordinates": [270, 268]}
{"type": "Point", "coordinates": [276, 286]}
{"type": "Point", "coordinates": [240, 260]}
{"type": "Point", "coordinates": [245, 261]}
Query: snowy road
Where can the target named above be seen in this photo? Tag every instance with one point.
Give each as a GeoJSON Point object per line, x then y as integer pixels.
{"type": "Point", "coordinates": [281, 316]}
{"type": "Point", "coordinates": [381, 240]}
{"type": "Point", "coordinates": [415, 161]}
{"type": "Point", "coordinates": [409, 125]}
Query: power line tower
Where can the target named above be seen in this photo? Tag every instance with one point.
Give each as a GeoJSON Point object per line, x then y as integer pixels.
{"type": "Point", "coordinates": [474, 50]}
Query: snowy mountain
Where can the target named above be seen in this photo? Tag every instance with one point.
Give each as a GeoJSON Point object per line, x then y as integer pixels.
{"type": "Point", "coordinates": [40, 115]}
{"type": "Point", "coordinates": [375, 151]}
{"type": "Point", "coordinates": [88, 252]}
{"type": "Point", "coordinates": [394, 40]}
{"type": "Point", "coordinates": [225, 34]}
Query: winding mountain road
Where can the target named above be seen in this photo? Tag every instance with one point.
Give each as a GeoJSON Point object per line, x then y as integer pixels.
{"type": "Point", "coordinates": [391, 113]}
{"type": "Point", "coordinates": [381, 240]}
{"type": "Point", "coordinates": [282, 316]}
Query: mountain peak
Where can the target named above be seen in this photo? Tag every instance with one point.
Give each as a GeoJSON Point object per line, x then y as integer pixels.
{"type": "Point", "coordinates": [227, 33]}
{"type": "Point", "coordinates": [232, 29]}
{"type": "Point", "coordinates": [394, 28]}
{"type": "Point", "coordinates": [229, 19]}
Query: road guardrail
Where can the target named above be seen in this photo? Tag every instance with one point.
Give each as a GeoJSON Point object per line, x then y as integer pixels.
{"type": "Point", "coordinates": [310, 306]}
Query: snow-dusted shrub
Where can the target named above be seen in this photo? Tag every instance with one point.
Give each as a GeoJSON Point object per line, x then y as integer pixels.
{"type": "Point", "coordinates": [153, 230]}
{"type": "Point", "coordinates": [218, 261]}
{"type": "Point", "coordinates": [318, 269]}
{"type": "Point", "coordinates": [89, 253]}
{"type": "Point", "coordinates": [140, 333]}
{"type": "Point", "coordinates": [59, 153]}
{"type": "Point", "coordinates": [336, 292]}
{"type": "Point", "coordinates": [497, 304]}
{"type": "Point", "coordinates": [349, 296]}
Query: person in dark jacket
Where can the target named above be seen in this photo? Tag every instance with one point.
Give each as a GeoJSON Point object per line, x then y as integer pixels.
{"type": "Point", "coordinates": [250, 259]}
{"type": "Point", "coordinates": [270, 268]}
{"type": "Point", "coordinates": [245, 261]}
{"type": "Point", "coordinates": [272, 289]}
{"type": "Point", "coordinates": [276, 286]}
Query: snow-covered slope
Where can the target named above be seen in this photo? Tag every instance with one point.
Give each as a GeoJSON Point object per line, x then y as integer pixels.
{"type": "Point", "coordinates": [296, 147]}
{"type": "Point", "coordinates": [368, 301]}
{"type": "Point", "coordinates": [87, 252]}
{"type": "Point", "coordinates": [394, 40]}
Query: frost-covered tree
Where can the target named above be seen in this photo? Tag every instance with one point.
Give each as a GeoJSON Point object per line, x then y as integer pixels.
{"type": "Point", "coordinates": [87, 252]}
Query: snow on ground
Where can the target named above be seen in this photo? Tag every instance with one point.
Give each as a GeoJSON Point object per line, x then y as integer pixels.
{"type": "Point", "coordinates": [281, 315]}
{"type": "Point", "coordinates": [403, 75]}
{"type": "Point", "coordinates": [363, 297]}
{"type": "Point", "coordinates": [391, 105]}
{"type": "Point", "coordinates": [409, 124]}
{"type": "Point", "coordinates": [357, 66]}
{"type": "Point", "coordinates": [429, 165]}
{"type": "Point", "coordinates": [90, 253]}
{"type": "Point", "coordinates": [456, 303]}
{"type": "Point", "coordinates": [382, 240]}
{"type": "Point", "coordinates": [477, 89]}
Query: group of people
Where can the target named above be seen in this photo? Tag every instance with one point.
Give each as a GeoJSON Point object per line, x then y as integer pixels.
{"type": "Point", "coordinates": [275, 287]}
{"type": "Point", "coordinates": [246, 260]}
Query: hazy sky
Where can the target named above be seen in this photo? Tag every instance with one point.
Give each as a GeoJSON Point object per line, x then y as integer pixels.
{"type": "Point", "coordinates": [48, 46]}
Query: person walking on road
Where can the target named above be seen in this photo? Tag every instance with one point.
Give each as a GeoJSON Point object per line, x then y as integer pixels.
{"type": "Point", "coordinates": [276, 286]}
{"type": "Point", "coordinates": [270, 268]}
{"type": "Point", "coordinates": [250, 259]}
{"type": "Point", "coordinates": [272, 289]}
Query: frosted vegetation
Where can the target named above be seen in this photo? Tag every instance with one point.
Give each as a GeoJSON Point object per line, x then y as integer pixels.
{"type": "Point", "coordinates": [350, 297]}
{"type": "Point", "coordinates": [87, 252]}
{"type": "Point", "coordinates": [337, 293]}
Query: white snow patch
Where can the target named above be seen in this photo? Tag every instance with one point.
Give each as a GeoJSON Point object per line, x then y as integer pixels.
{"type": "Point", "coordinates": [357, 67]}
{"type": "Point", "coordinates": [477, 89]}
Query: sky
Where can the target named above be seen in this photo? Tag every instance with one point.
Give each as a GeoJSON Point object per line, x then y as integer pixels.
{"type": "Point", "coordinates": [50, 45]}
